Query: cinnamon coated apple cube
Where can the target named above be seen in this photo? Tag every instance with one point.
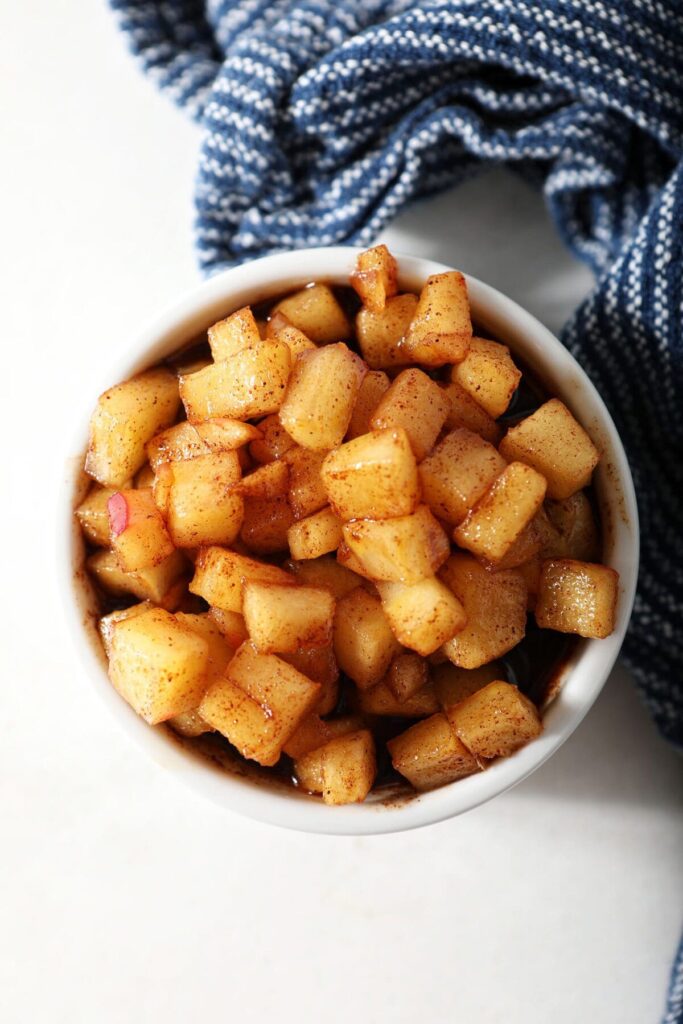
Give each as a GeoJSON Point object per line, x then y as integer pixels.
{"type": "Point", "coordinates": [152, 584]}
{"type": "Point", "coordinates": [281, 619]}
{"type": "Point", "coordinates": [107, 622]}
{"type": "Point", "coordinates": [320, 665]}
{"type": "Point", "coordinates": [576, 531]}
{"type": "Point", "coordinates": [325, 572]}
{"type": "Point", "coordinates": [190, 724]}
{"type": "Point", "coordinates": [251, 383]}
{"type": "Point", "coordinates": [178, 442]}
{"type": "Point", "coordinates": [577, 597]}
{"type": "Point", "coordinates": [500, 516]}
{"type": "Point", "coordinates": [373, 476]}
{"type": "Point", "coordinates": [441, 328]}
{"type": "Point", "coordinates": [266, 524]}
{"type": "Point", "coordinates": [238, 331]}
{"type": "Point", "coordinates": [489, 375]}
{"type": "Point", "coordinates": [495, 721]}
{"type": "Point", "coordinates": [375, 277]}
{"type": "Point", "coordinates": [158, 664]}
{"type": "Point", "coordinates": [495, 607]}
{"type": "Point", "coordinates": [320, 397]}
{"type": "Point", "coordinates": [316, 312]}
{"type": "Point", "coordinates": [273, 442]}
{"type": "Point", "coordinates": [458, 473]}
{"type": "Point", "coordinates": [527, 546]}
{"type": "Point", "coordinates": [381, 700]}
{"type": "Point", "coordinates": [429, 754]}
{"type": "Point", "coordinates": [202, 506]}
{"type": "Point", "coordinates": [405, 549]}
{"type": "Point", "coordinates": [417, 403]}
{"type": "Point", "coordinates": [314, 732]}
{"type": "Point", "coordinates": [281, 328]}
{"type": "Point", "coordinates": [554, 444]}
{"type": "Point", "coordinates": [315, 535]}
{"type": "Point", "coordinates": [139, 538]}
{"type": "Point", "coordinates": [306, 490]}
{"type": "Point", "coordinates": [127, 416]}
{"type": "Point", "coordinates": [364, 643]}
{"type": "Point", "coordinates": [347, 559]}
{"type": "Point", "coordinates": [258, 703]}
{"type": "Point", "coordinates": [223, 434]}
{"type": "Point", "coordinates": [374, 385]}
{"type": "Point", "coordinates": [453, 684]}
{"type": "Point", "coordinates": [231, 625]}
{"type": "Point", "coordinates": [343, 770]}
{"type": "Point", "coordinates": [265, 482]}
{"type": "Point", "coordinates": [381, 332]}
{"type": "Point", "coordinates": [220, 576]}
{"type": "Point", "coordinates": [407, 674]}
{"type": "Point", "coordinates": [465, 412]}
{"type": "Point", "coordinates": [422, 615]}
{"type": "Point", "coordinates": [219, 650]}
{"type": "Point", "coordinates": [93, 515]}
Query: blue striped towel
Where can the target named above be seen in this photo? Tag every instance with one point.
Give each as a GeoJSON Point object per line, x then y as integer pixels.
{"type": "Point", "coordinates": [321, 119]}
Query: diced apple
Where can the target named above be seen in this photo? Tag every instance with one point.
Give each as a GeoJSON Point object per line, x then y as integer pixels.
{"type": "Point", "coordinates": [281, 328]}
{"type": "Point", "coordinates": [306, 491]}
{"type": "Point", "coordinates": [500, 516]}
{"type": "Point", "coordinates": [316, 312]}
{"type": "Point", "coordinates": [381, 700]}
{"type": "Point", "coordinates": [231, 625]}
{"type": "Point", "coordinates": [555, 445]}
{"type": "Point", "coordinates": [404, 549]}
{"type": "Point", "coordinates": [407, 674]}
{"type": "Point", "coordinates": [417, 403]}
{"type": "Point", "coordinates": [495, 606]}
{"type": "Point", "coordinates": [454, 684]}
{"type": "Point", "coordinates": [458, 473]}
{"type": "Point", "coordinates": [343, 770]}
{"type": "Point", "coordinates": [158, 665]}
{"type": "Point", "coordinates": [223, 434]}
{"type": "Point", "coordinates": [441, 329]}
{"type": "Point", "coordinates": [429, 754]}
{"type": "Point", "coordinates": [495, 721]}
{"type": "Point", "coordinates": [314, 732]}
{"type": "Point", "coordinates": [266, 525]}
{"type": "Point", "coordinates": [375, 277]}
{"type": "Point", "coordinates": [281, 619]}
{"type": "Point", "coordinates": [190, 724]}
{"type": "Point", "coordinates": [220, 651]}
{"type": "Point", "coordinates": [175, 443]}
{"type": "Point", "coordinates": [273, 443]}
{"type": "Point", "coordinates": [320, 665]}
{"type": "Point", "coordinates": [125, 419]}
{"type": "Point", "coordinates": [250, 383]}
{"type": "Point", "coordinates": [258, 703]}
{"type": "Point", "coordinates": [325, 572]}
{"type": "Point", "coordinates": [266, 482]}
{"type": "Point", "coordinates": [107, 622]}
{"type": "Point", "coordinates": [347, 559]}
{"type": "Point", "coordinates": [320, 397]}
{"type": "Point", "coordinates": [139, 537]}
{"type": "Point", "coordinates": [577, 597]}
{"type": "Point", "coordinates": [465, 412]}
{"type": "Point", "coordinates": [423, 615]}
{"type": "Point", "coordinates": [577, 531]}
{"type": "Point", "coordinates": [380, 333]}
{"type": "Point", "coordinates": [230, 336]}
{"type": "Point", "coordinates": [151, 584]}
{"type": "Point", "coordinates": [375, 383]}
{"type": "Point", "coordinates": [93, 515]}
{"type": "Point", "coordinates": [220, 575]}
{"type": "Point", "coordinates": [202, 506]}
{"type": "Point", "coordinates": [316, 535]}
{"type": "Point", "coordinates": [373, 476]}
{"type": "Point", "coordinates": [363, 641]}
{"type": "Point", "coordinates": [489, 375]}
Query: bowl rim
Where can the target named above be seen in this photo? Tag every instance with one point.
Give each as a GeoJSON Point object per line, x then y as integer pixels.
{"type": "Point", "coordinates": [588, 669]}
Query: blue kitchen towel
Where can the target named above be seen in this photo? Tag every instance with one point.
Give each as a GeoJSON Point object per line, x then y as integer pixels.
{"type": "Point", "coordinates": [321, 119]}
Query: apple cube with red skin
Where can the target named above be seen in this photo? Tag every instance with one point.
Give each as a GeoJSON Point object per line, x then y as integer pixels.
{"type": "Point", "coordinates": [138, 534]}
{"type": "Point", "coordinates": [93, 515]}
{"type": "Point", "coordinates": [577, 597]}
{"type": "Point", "coordinates": [429, 754]}
{"type": "Point", "coordinates": [495, 721]}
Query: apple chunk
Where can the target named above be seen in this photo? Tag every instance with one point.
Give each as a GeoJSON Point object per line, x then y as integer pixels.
{"type": "Point", "coordinates": [139, 537]}
{"type": "Point", "coordinates": [375, 277]}
{"type": "Point", "coordinates": [281, 619]}
{"type": "Point", "coordinates": [422, 615]}
{"type": "Point", "coordinates": [405, 549]}
{"type": "Point", "coordinates": [363, 641]}
{"type": "Point", "coordinates": [380, 332]}
{"type": "Point", "coordinates": [372, 477]}
{"type": "Point", "coordinates": [495, 721]}
{"type": "Point", "coordinates": [343, 770]}
{"type": "Point", "coordinates": [458, 473]}
{"type": "Point", "coordinates": [441, 329]}
{"type": "Point", "coordinates": [417, 403]}
{"type": "Point", "coordinates": [250, 383]}
{"type": "Point", "coordinates": [316, 312]}
{"type": "Point", "coordinates": [429, 754]}
{"type": "Point", "coordinates": [489, 375]}
{"type": "Point", "coordinates": [322, 392]}
{"type": "Point", "coordinates": [577, 597]}
{"type": "Point", "coordinates": [220, 576]}
{"type": "Point", "coordinates": [202, 507]}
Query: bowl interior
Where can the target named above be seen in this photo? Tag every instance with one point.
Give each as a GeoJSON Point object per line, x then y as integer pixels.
{"type": "Point", "coordinates": [583, 675]}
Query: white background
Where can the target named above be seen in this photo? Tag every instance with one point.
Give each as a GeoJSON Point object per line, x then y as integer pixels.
{"type": "Point", "coordinates": [124, 897]}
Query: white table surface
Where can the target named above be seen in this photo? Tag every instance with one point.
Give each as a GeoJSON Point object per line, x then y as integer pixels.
{"type": "Point", "coordinates": [125, 897]}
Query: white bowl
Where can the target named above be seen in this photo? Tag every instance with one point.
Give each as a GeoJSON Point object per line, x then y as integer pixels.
{"type": "Point", "coordinates": [590, 663]}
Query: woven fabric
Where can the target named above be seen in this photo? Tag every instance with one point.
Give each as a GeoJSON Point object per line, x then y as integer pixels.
{"type": "Point", "coordinates": [321, 119]}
